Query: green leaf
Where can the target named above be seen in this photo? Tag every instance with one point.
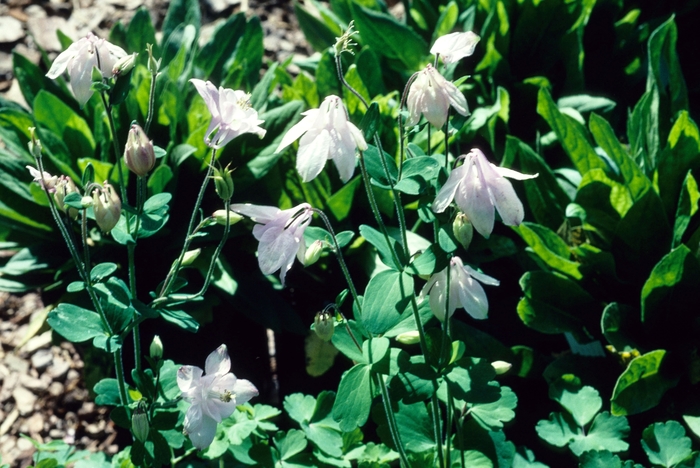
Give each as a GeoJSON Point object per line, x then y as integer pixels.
{"type": "Point", "coordinates": [180, 318]}
{"type": "Point", "coordinates": [641, 386]}
{"type": "Point", "coordinates": [340, 202]}
{"type": "Point", "coordinates": [32, 80]}
{"type": "Point", "coordinates": [388, 37]}
{"type": "Point", "coordinates": [343, 341]}
{"type": "Point", "coordinates": [375, 350]}
{"type": "Point", "coordinates": [599, 459]}
{"type": "Point", "coordinates": [51, 113]}
{"type": "Point", "coordinates": [570, 134]}
{"type": "Point", "coordinates": [687, 207]}
{"type": "Point", "coordinates": [102, 271]}
{"type": "Point", "coordinates": [693, 423]}
{"type": "Point", "coordinates": [75, 323]}
{"type": "Point", "coordinates": [386, 297]}
{"type": "Point", "coordinates": [666, 443]}
{"type": "Point", "coordinates": [546, 199]}
{"type": "Point", "coordinates": [582, 402]}
{"type": "Point", "coordinates": [319, 33]}
{"type": "Point", "coordinates": [352, 404]}
{"type": "Point", "coordinates": [550, 248]}
{"type": "Point", "coordinates": [378, 240]}
{"type": "Point", "coordinates": [606, 433]}
{"type": "Point", "coordinates": [107, 391]}
{"type": "Point", "coordinates": [414, 426]}
{"type": "Point", "coordinates": [140, 33]}
{"type": "Point", "coordinates": [643, 131]}
{"type": "Point", "coordinates": [635, 180]}
{"type": "Point", "coordinates": [491, 416]}
{"type": "Point", "coordinates": [677, 275]}
{"type": "Point", "coordinates": [290, 444]}
{"type": "Point", "coordinates": [554, 303]}
{"type": "Point", "coordinates": [180, 13]}
{"type": "Point", "coordinates": [212, 56]}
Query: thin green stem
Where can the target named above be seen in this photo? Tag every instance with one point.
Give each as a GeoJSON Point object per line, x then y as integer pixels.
{"type": "Point", "coordinates": [151, 102]}
{"type": "Point", "coordinates": [172, 274]}
{"type": "Point", "coordinates": [437, 430]}
{"type": "Point", "coordinates": [448, 428]}
{"type": "Point", "coordinates": [341, 260]}
{"type": "Point", "coordinates": [119, 370]}
{"type": "Point", "coordinates": [393, 426]}
{"type": "Point", "coordinates": [83, 233]}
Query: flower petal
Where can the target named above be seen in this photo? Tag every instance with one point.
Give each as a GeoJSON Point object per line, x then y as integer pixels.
{"type": "Point", "coordinates": [447, 192]}
{"type": "Point", "coordinates": [218, 361]}
{"type": "Point", "coordinates": [313, 152]}
{"type": "Point", "coordinates": [297, 130]}
{"type": "Point", "coordinates": [258, 213]}
{"type": "Point", "coordinates": [59, 65]}
{"type": "Point", "coordinates": [510, 173]}
{"type": "Point", "coordinates": [188, 377]}
{"type": "Point", "coordinates": [475, 201]}
{"type": "Point", "coordinates": [204, 435]}
{"type": "Point", "coordinates": [244, 391]}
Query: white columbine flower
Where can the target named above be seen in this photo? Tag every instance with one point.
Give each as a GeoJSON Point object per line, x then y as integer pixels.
{"type": "Point", "coordinates": [478, 186]}
{"type": "Point", "coordinates": [431, 95]}
{"type": "Point", "coordinates": [231, 114]}
{"type": "Point", "coordinates": [80, 58]}
{"type": "Point", "coordinates": [281, 235]}
{"type": "Point", "coordinates": [213, 396]}
{"type": "Point", "coordinates": [43, 179]}
{"type": "Point", "coordinates": [465, 291]}
{"type": "Point", "coordinates": [455, 46]}
{"type": "Point", "coordinates": [325, 134]}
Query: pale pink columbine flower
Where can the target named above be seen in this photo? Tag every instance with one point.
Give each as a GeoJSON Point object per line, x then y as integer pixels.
{"type": "Point", "coordinates": [478, 186]}
{"type": "Point", "coordinates": [432, 95]}
{"type": "Point", "coordinates": [455, 46]}
{"type": "Point", "coordinates": [464, 291]}
{"type": "Point", "coordinates": [80, 58]}
{"type": "Point", "coordinates": [44, 179]}
{"type": "Point", "coordinates": [281, 235]}
{"type": "Point", "coordinates": [231, 114]}
{"type": "Point", "coordinates": [325, 134]}
{"type": "Point", "coordinates": [213, 396]}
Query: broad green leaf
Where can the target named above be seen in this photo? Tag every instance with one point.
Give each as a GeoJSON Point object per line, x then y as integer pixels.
{"type": "Point", "coordinates": [555, 304]}
{"type": "Point", "coordinates": [212, 56]}
{"type": "Point", "coordinates": [600, 459]}
{"type": "Point", "coordinates": [51, 113]}
{"type": "Point", "coordinates": [491, 416]}
{"type": "Point", "coordinates": [32, 80]}
{"type": "Point", "coordinates": [389, 37]}
{"type": "Point", "coordinates": [582, 402]}
{"type": "Point", "coordinates": [375, 351]}
{"type": "Point", "coordinates": [107, 392]}
{"type": "Point", "coordinates": [75, 323]}
{"type": "Point", "coordinates": [524, 458]}
{"type": "Point", "coordinates": [687, 207]}
{"type": "Point", "coordinates": [356, 109]}
{"type": "Point", "coordinates": [378, 240]}
{"type": "Point", "coordinates": [545, 197]}
{"type": "Point", "coordinates": [446, 21]}
{"type": "Point", "coordinates": [180, 318]}
{"type": "Point", "coordinates": [570, 134]}
{"type": "Point", "coordinates": [635, 180]}
{"type": "Point", "coordinates": [414, 426]}
{"type": "Point", "coordinates": [344, 341]}
{"type": "Point", "coordinates": [371, 71]}
{"type": "Point", "coordinates": [340, 202]}
{"type": "Point", "coordinates": [290, 444]}
{"type": "Point", "coordinates": [102, 271]}
{"type": "Point", "coordinates": [320, 34]}
{"type": "Point", "coordinates": [180, 12]}
{"type": "Point", "coordinates": [643, 132]}
{"type": "Point", "coordinates": [385, 299]}
{"type": "Point", "coordinates": [352, 404]}
{"type": "Point", "coordinates": [617, 323]}
{"type": "Point", "coordinates": [140, 33]}
{"type": "Point", "coordinates": [641, 386]}
{"type": "Point", "coordinates": [606, 433]}
{"type": "Point", "coordinates": [666, 443]}
{"type": "Point", "coordinates": [550, 248]}
{"type": "Point", "coordinates": [320, 355]}
{"type": "Point", "coordinates": [693, 423]}
{"type": "Point", "coordinates": [676, 276]}
{"type": "Point", "coordinates": [244, 72]}
{"type": "Point", "coordinates": [586, 103]}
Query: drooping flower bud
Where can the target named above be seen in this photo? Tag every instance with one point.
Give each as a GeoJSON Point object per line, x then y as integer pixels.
{"type": "Point", "coordinates": [324, 325]}
{"type": "Point", "coordinates": [408, 338]}
{"type": "Point", "coordinates": [139, 424]}
{"type": "Point", "coordinates": [501, 367]}
{"type": "Point", "coordinates": [139, 156]}
{"type": "Point", "coordinates": [223, 183]}
{"type": "Point", "coordinates": [313, 253]}
{"type": "Point", "coordinates": [220, 217]}
{"type": "Point", "coordinates": [64, 186]}
{"type": "Point", "coordinates": [156, 348]}
{"type": "Point", "coordinates": [153, 64]}
{"type": "Point", "coordinates": [107, 207]}
{"type": "Point", "coordinates": [124, 65]}
{"type": "Point", "coordinates": [463, 230]}
{"type": "Point", "coordinates": [190, 257]}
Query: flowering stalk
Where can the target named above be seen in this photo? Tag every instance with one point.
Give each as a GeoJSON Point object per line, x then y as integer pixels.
{"type": "Point", "coordinates": [167, 283]}
{"type": "Point", "coordinates": [153, 66]}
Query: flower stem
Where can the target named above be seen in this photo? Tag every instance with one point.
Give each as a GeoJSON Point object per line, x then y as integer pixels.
{"type": "Point", "coordinates": [167, 283]}
{"type": "Point", "coordinates": [151, 101]}
{"type": "Point", "coordinates": [391, 420]}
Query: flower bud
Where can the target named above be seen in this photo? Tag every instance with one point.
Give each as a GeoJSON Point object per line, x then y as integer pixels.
{"type": "Point", "coordinates": [139, 424]}
{"type": "Point", "coordinates": [463, 230]}
{"type": "Point", "coordinates": [156, 348]}
{"type": "Point", "coordinates": [86, 201]}
{"type": "Point", "coordinates": [34, 144]}
{"type": "Point", "coordinates": [223, 183]}
{"type": "Point", "coordinates": [313, 253]}
{"type": "Point", "coordinates": [324, 325]}
{"type": "Point", "coordinates": [107, 207]}
{"type": "Point", "coordinates": [153, 64]}
{"type": "Point", "coordinates": [408, 338]}
{"type": "Point", "coordinates": [138, 154]}
{"type": "Point", "coordinates": [125, 64]}
{"type": "Point", "coordinates": [64, 186]}
{"type": "Point", "coordinates": [190, 257]}
{"type": "Point", "coordinates": [220, 217]}
{"type": "Point", "coordinates": [501, 367]}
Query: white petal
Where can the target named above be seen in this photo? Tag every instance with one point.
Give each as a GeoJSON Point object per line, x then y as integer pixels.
{"type": "Point", "coordinates": [210, 95]}
{"type": "Point", "coordinates": [510, 173]}
{"type": "Point", "coordinates": [258, 213]}
{"type": "Point", "coordinates": [312, 155]}
{"type": "Point", "coordinates": [507, 202]}
{"type": "Point", "coordinates": [357, 136]}
{"type": "Point", "coordinates": [188, 377]}
{"type": "Point", "coordinates": [276, 250]}
{"type": "Point", "coordinates": [475, 201]}
{"type": "Point", "coordinates": [473, 298]}
{"type": "Point", "coordinates": [193, 418]}
{"type": "Point", "coordinates": [484, 278]}
{"type": "Point", "coordinates": [59, 65]}
{"type": "Point", "coordinates": [204, 435]}
{"type": "Point", "coordinates": [81, 76]}
{"type": "Point", "coordinates": [244, 391]}
{"type": "Point", "coordinates": [455, 46]}
{"type": "Point", "coordinates": [447, 192]}
{"type": "Point", "coordinates": [457, 99]}
{"type": "Point", "coordinates": [218, 361]}
{"type": "Point", "coordinates": [297, 130]}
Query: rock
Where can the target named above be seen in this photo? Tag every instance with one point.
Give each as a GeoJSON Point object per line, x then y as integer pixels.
{"type": "Point", "coordinates": [10, 29]}
{"type": "Point", "coordinates": [24, 445]}
{"type": "Point", "coordinates": [56, 389]}
{"type": "Point", "coordinates": [8, 385]}
{"type": "Point", "coordinates": [33, 384]}
{"type": "Point", "coordinates": [24, 399]}
{"type": "Point", "coordinates": [41, 359]}
{"type": "Point", "coordinates": [59, 368]}
{"type": "Point", "coordinates": [56, 434]}
{"type": "Point", "coordinates": [44, 31]}
{"type": "Point", "coordinates": [37, 342]}
{"type": "Point", "coordinates": [7, 423]}
{"type": "Point", "coordinates": [72, 375]}
{"type": "Point", "coordinates": [218, 6]}
{"type": "Point", "coordinates": [16, 363]}
{"type": "Point", "coordinates": [35, 423]}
